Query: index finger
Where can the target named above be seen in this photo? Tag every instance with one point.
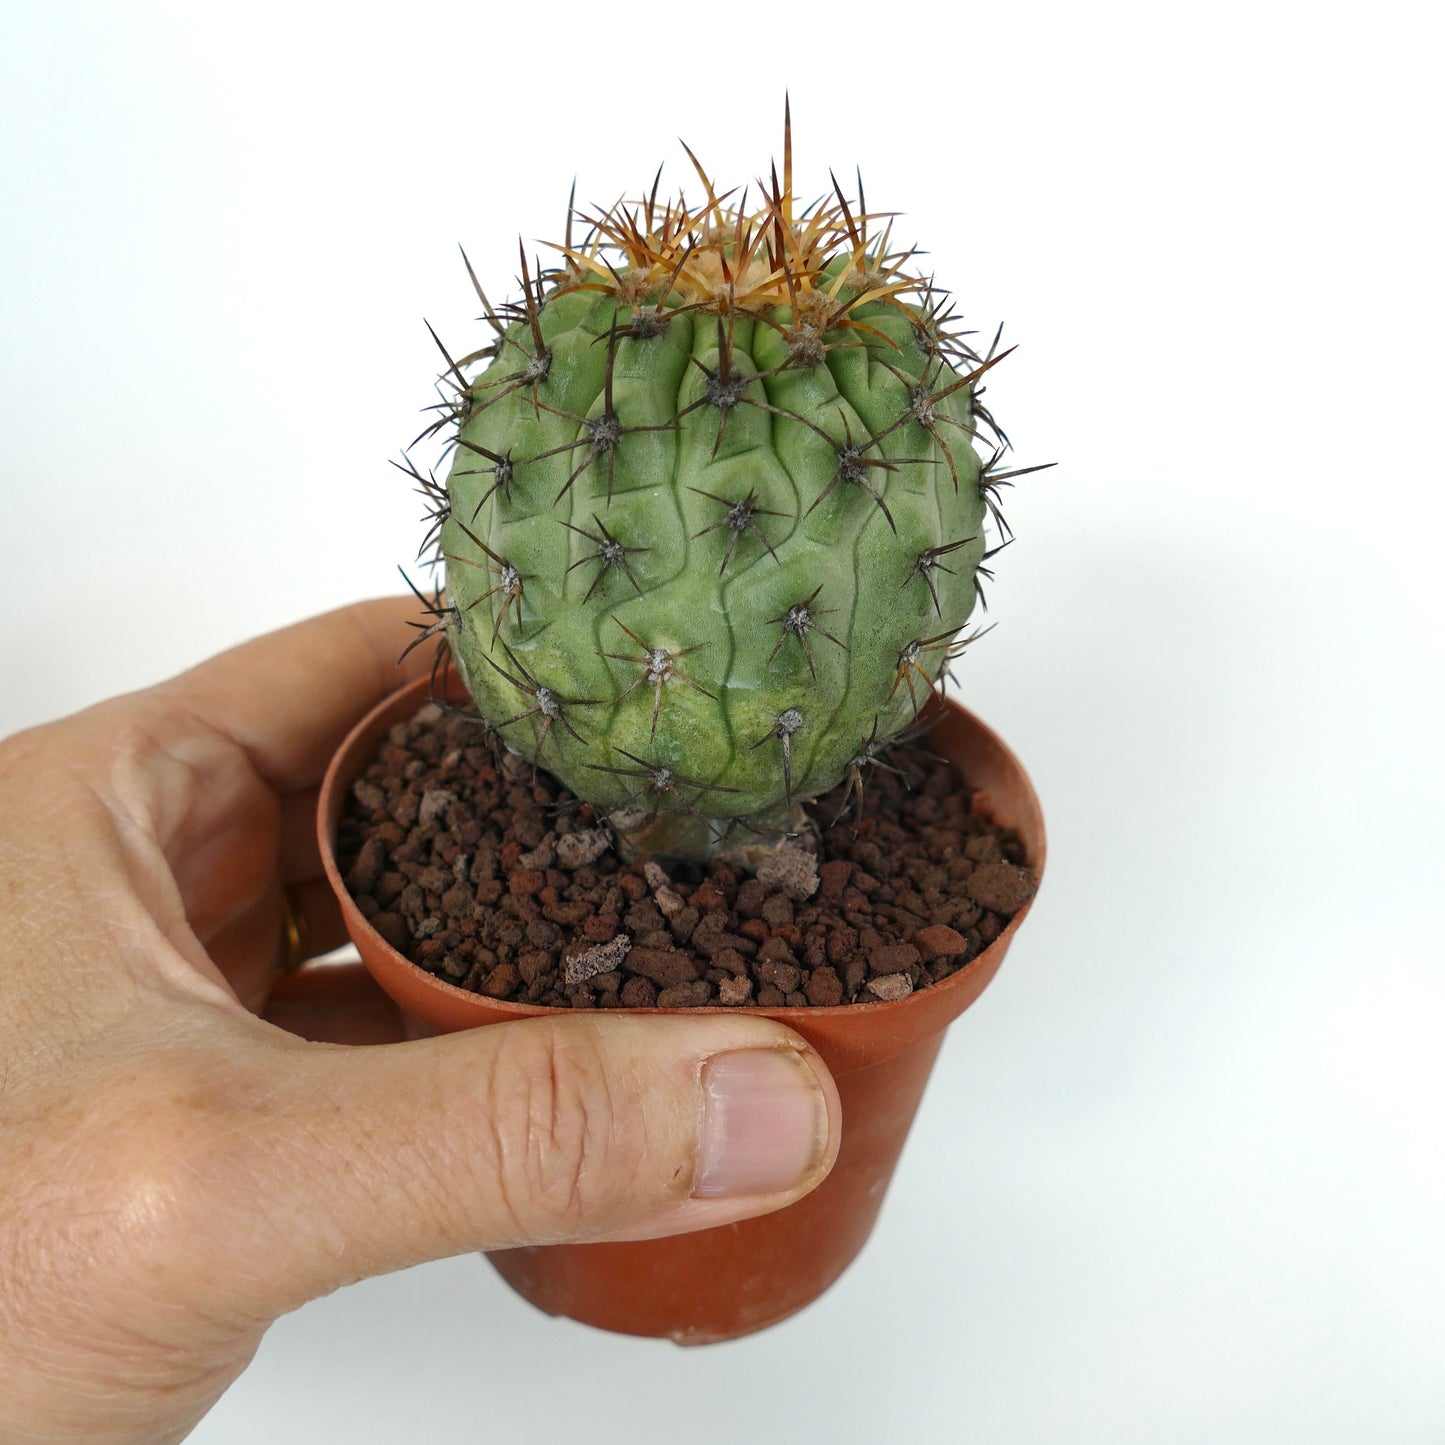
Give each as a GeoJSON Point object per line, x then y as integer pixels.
{"type": "Point", "coordinates": [290, 697]}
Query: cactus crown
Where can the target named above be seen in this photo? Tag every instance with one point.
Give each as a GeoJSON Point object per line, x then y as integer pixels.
{"type": "Point", "coordinates": [712, 480]}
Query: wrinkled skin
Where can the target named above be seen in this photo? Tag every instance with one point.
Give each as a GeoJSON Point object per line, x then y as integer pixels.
{"type": "Point", "coordinates": [190, 1148]}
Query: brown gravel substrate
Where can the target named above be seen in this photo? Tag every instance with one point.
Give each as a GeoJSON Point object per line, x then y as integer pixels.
{"type": "Point", "coordinates": [467, 864]}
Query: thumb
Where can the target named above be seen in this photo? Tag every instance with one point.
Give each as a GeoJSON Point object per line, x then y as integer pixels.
{"type": "Point", "coordinates": [535, 1132]}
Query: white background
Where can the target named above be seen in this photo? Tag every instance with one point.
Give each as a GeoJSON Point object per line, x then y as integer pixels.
{"type": "Point", "coordinates": [1179, 1175]}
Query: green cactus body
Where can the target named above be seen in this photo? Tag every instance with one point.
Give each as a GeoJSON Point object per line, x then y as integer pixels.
{"type": "Point", "coordinates": [714, 515]}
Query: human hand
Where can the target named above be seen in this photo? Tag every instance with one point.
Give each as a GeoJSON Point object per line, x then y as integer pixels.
{"type": "Point", "coordinates": [188, 1152]}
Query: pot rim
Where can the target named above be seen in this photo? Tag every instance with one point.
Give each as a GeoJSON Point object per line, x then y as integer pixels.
{"type": "Point", "coordinates": [398, 704]}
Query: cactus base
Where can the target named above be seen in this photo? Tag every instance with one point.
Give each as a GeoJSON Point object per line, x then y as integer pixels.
{"type": "Point", "coordinates": [680, 837]}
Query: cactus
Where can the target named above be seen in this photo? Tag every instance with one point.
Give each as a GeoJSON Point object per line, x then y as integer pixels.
{"type": "Point", "coordinates": [715, 516]}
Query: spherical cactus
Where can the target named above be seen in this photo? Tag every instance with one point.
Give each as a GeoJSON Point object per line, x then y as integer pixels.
{"type": "Point", "coordinates": [715, 516]}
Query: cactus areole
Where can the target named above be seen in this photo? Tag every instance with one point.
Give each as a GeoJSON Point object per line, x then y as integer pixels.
{"type": "Point", "coordinates": [717, 509]}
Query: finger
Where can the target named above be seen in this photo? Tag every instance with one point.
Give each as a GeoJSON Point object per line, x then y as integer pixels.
{"type": "Point", "coordinates": [290, 697]}
{"type": "Point", "coordinates": [252, 946]}
{"type": "Point", "coordinates": [528, 1133]}
{"type": "Point", "coordinates": [335, 1004]}
{"type": "Point", "coordinates": [300, 855]}
{"type": "Point", "coordinates": [318, 919]}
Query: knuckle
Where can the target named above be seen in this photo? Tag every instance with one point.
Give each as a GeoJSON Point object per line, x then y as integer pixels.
{"type": "Point", "coordinates": [154, 1182]}
{"type": "Point", "coordinates": [566, 1154]}
{"type": "Point", "coordinates": [115, 1198]}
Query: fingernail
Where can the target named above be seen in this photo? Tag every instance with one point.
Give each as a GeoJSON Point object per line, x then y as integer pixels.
{"type": "Point", "coordinates": [765, 1123]}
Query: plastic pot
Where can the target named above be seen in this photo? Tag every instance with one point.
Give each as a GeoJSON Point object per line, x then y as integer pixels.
{"type": "Point", "coordinates": [717, 1284]}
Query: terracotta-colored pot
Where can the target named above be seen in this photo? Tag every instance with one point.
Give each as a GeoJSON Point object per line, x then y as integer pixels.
{"type": "Point", "coordinates": [720, 1283]}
